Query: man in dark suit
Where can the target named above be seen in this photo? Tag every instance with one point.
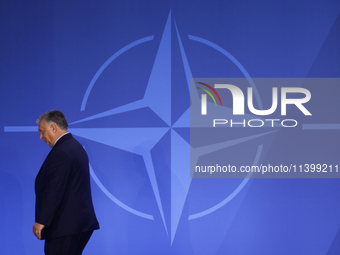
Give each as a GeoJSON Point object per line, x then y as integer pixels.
{"type": "Point", "coordinates": [64, 212]}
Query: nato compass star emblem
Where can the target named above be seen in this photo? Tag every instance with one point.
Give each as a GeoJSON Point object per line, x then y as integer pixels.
{"type": "Point", "coordinates": [142, 140]}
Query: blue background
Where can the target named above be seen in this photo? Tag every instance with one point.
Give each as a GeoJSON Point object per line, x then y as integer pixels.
{"type": "Point", "coordinates": [50, 54]}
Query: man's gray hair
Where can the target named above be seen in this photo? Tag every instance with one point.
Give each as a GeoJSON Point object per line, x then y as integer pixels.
{"type": "Point", "coordinates": [54, 116]}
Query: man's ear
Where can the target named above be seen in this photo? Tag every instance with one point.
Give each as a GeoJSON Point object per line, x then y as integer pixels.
{"type": "Point", "coordinates": [54, 127]}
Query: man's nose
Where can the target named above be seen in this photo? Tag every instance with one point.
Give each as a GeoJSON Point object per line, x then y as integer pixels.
{"type": "Point", "coordinates": [41, 136]}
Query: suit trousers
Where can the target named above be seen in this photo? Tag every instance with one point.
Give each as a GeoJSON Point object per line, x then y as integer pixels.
{"type": "Point", "coordinates": [67, 245]}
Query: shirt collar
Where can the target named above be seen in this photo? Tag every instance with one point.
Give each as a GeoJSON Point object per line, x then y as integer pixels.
{"type": "Point", "coordinates": [60, 137]}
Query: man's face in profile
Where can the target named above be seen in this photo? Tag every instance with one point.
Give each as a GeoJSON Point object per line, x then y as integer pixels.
{"type": "Point", "coordinates": [46, 133]}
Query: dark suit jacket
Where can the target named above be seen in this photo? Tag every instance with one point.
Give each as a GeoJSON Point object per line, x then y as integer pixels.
{"type": "Point", "coordinates": [63, 192]}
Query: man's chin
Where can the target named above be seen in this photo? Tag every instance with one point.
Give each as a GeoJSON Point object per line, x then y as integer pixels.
{"type": "Point", "coordinates": [49, 144]}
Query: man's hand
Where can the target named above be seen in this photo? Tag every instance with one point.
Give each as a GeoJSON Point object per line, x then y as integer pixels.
{"type": "Point", "coordinates": [37, 227]}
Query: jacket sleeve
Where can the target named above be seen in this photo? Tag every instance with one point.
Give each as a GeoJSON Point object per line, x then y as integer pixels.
{"type": "Point", "coordinates": [56, 175]}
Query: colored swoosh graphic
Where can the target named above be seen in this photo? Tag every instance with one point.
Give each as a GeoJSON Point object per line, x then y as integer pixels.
{"type": "Point", "coordinates": [213, 90]}
{"type": "Point", "coordinates": [208, 92]}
